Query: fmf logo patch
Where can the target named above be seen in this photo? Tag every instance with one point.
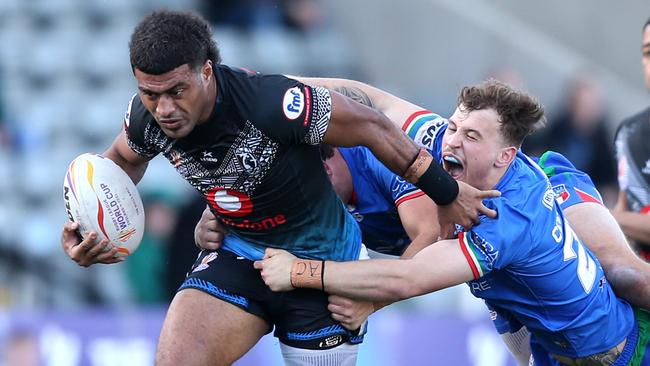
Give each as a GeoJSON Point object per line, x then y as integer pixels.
{"type": "Point", "coordinates": [293, 103]}
{"type": "Point", "coordinates": [561, 193]}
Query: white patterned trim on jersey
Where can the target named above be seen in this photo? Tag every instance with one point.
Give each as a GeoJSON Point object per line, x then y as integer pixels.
{"type": "Point", "coordinates": [321, 112]}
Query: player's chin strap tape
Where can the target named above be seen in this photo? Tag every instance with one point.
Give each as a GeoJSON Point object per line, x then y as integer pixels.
{"type": "Point", "coordinates": [432, 179]}
{"type": "Point", "coordinates": [308, 274]}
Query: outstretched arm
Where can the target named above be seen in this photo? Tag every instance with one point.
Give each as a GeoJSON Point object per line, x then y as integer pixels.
{"type": "Point", "coordinates": [627, 273]}
{"type": "Point", "coordinates": [396, 109]}
{"type": "Point", "coordinates": [371, 280]}
{"type": "Point", "coordinates": [459, 202]}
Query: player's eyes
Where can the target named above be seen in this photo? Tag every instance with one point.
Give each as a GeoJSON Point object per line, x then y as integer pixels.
{"type": "Point", "coordinates": [177, 92]}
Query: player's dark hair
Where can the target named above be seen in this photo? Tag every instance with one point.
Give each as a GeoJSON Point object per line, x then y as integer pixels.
{"type": "Point", "coordinates": [326, 151]}
{"type": "Point", "coordinates": [166, 39]}
{"type": "Point", "coordinates": [647, 23]}
{"type": "Point", "coordinates": [520, 114]}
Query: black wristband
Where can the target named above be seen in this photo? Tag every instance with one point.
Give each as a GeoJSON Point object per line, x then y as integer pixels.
{"type": "Point", "coordinates": [438, 184]}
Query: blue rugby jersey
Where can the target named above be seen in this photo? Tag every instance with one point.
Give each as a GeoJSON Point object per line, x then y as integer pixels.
{"type": "Point", "coordinates": [529, 262]}
{"type": "Point", "coordinates": [377, 194]}
{"type": "Point", "coordinates": [570, 185]}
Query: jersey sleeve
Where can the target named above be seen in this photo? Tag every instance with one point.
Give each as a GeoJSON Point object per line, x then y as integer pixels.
{"type": "Point", "coordinates": [425, 128]}
{"type": "Point", "coordinates": [570, 185]}
{"type": "Point", "coordinates": [290, 112]}
{"type": "Point", "coordinates": [137, 124]}
{"type": "Point", "coordinates": [496, 243]}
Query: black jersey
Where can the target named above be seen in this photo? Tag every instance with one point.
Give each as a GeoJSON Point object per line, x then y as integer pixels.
{"type": "Point", "coordinates": [257, 164]}
{"type": "Point", "coordinates": [633, 154]}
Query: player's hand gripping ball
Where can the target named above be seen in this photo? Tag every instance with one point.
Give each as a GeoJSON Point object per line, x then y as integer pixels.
{"type": "Point", "coordinates": [101, 197]}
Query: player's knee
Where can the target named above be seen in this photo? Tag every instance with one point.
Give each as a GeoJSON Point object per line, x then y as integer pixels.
{"type": "Point", "coordinates": [342, 355]}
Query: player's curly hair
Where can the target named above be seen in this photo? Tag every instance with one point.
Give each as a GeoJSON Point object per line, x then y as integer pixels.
{"type": "Point", "coordinates": [166, 39]}
{"type": "Point", "coordinates": [520, 114]}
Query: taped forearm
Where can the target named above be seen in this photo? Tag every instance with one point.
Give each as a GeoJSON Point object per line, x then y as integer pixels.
{"type": "Point", "coordinates": [432, 179]}
{"type": "Point", "coordinates": [308, 274]}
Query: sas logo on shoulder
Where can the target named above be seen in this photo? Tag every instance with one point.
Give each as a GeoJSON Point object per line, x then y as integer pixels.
{"type": "Point", "coordinates": [293, 103]}
{"type": "Point", "coordinates": [427, 134]}
{"type": "Point", "coordinates": [561, 193]}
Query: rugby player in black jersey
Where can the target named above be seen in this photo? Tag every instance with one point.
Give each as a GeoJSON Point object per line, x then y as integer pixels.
{"type": "Point", "coordinates": [248, 143]}
{"type": "Point", "coordinates": [632, 209]}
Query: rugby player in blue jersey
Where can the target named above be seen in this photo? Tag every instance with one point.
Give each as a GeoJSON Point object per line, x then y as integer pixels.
{"type": "Point", "coordinates": [527, 263]}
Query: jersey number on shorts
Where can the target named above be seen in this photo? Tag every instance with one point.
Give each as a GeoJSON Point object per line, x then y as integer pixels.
{"type": "Point", "coordinates": [586, 265]}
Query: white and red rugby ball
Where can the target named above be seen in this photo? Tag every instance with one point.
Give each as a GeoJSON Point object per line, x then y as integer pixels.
{"type": "Point", "coordinates": [101, 197]}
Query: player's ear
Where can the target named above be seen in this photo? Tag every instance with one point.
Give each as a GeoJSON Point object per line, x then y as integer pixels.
{"type": "Point", "coordinates": [206, 71]}
{"type": "Point", "coordinates": [506, 156]}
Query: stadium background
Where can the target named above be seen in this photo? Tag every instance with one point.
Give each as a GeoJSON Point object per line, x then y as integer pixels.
{"type": "Point", "coordinates": [65, 81]}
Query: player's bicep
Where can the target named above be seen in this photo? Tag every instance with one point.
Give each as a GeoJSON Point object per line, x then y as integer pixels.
{"type": "Point", "coordinates": [130, 161]}
{"type": "Point", "coordinates": [395, 108]}
{"type": "Point", "coordinates": [441, 265]}
{"type": "Point", "coordinates": [599, 231]}
{"type": "Point", "coordinates": [351, 123]}
{"type": "Point", "coordinates": [419, 216]}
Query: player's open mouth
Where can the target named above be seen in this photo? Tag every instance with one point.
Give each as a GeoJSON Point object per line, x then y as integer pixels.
{"type": "Point", "coordinates": [453, 166]}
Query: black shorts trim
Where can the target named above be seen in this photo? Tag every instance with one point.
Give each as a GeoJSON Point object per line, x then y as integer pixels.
{"type": "Point", "coordinates": [199, 284]}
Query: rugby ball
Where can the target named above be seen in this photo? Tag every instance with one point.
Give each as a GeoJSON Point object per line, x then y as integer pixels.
{"type": "Point", "coordinates": [101, 197]}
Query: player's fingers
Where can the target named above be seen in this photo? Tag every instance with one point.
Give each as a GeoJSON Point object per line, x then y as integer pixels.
{"type": "Point", "coordinates": [213, 236]}
{"type": "Point", "coordinates": [258, 264]}
{"type": "Point", "coordinates": [489, 194]}
{"type": "Point", "coordinates": [97, 249]}
{"type": "Point", "coordinates": [339, 300]}
{"type": "Point", "coordinates": [108, 256]}
{"type": "Point", "coordinates": [209, 245]}
{"type": "Point", "coordinates": [206, 213]}
{"type": "Point", "coordinates": [113, 260]}
{"type": "Point", "coordinates": [338, 317]}
{"type": "Point", "coordinates": [336, 309]}
{"type": "Point", "coordinates": [70, 227]}
{"type": "Point", "coordinates": [78, 249]}
{"type": "Point", "coordinates": [270, 252]}
{"type": "Point", "coordinates": [88, 242]}
{"type": "Point", "coordinates": [69, 237]}
{"type": "Point", "coordinates": [487, 212]}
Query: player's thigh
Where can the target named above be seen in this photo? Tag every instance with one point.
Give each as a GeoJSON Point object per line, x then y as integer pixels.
{"type": "Point", "coordinates": [200, 329]}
